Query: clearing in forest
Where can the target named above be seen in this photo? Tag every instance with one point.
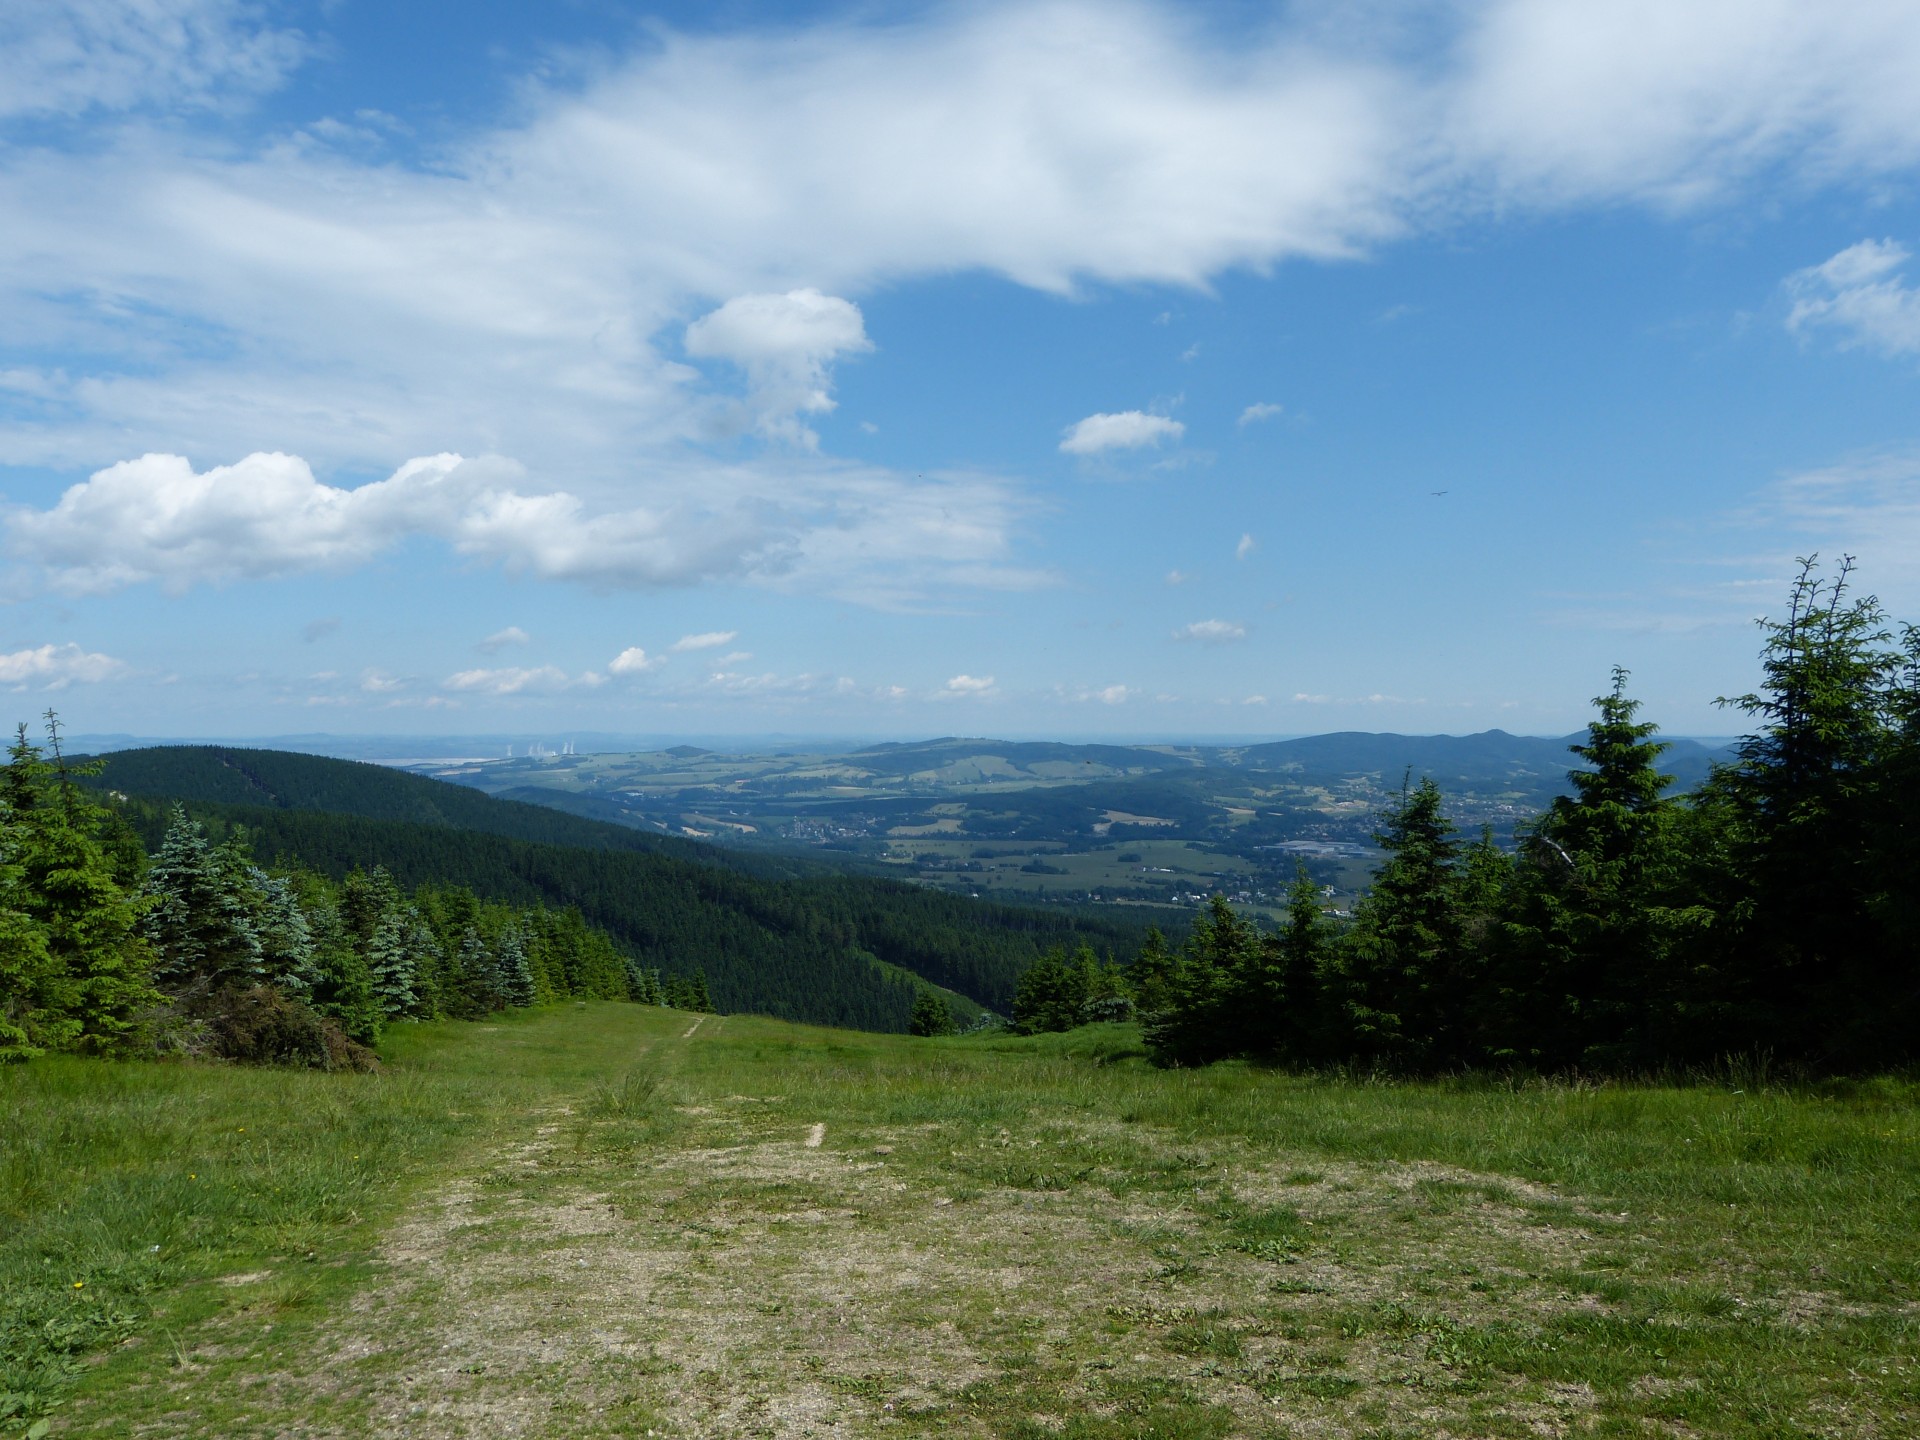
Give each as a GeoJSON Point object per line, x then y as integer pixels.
{"type": "Point", "coordinates": [760, 1229]}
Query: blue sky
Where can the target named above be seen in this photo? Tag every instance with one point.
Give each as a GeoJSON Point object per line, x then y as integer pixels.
{"type": "Point", "coordinates": [1041, 369]}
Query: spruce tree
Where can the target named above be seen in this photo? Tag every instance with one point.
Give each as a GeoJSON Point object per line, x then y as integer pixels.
{"type": "Point", "coordinates": [1807, 941]}
{"type": "Point", "coordinates": [931, 1014]}
{"type": "Point", "coordinates": [1586, 964]}
{"type": "Point", "coordinates": [516, 975]}
{"type": "Point", "coordinates": [390, 962]}
{"type": "Point", "coordinates": [199, 916]}
{"type": "Point", "coordinates": [1050, 993]}
{"type": "Point", "coordinates": [98, 967]}
{"type": "Point", "coordinates": [1108, 996]}
{"type": "Point", "coordinates": [288, 958]}
{"type": "Point", "coordinates": [1151, 974]}
{"type": "Point", "coordinates": [343, 988]}
{"type": "Point", "coordinates": [1406, 987]}
{"type": "Point", "coordinates": [697, 997]}
{"type": "Point", "coordinates": [643, 985]}
{"type": "Point", "coordinates": [1298, 1029]}
{"type": "Point", "coordinates": [480, 979]}
{"type": "Point", "coordinates": [35, 1004]}
{"type": "Point", "coordinates": [1213, 1008]}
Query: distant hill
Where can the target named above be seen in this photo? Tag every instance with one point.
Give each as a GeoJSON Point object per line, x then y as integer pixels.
{"type": "Point", "coordinates": [282, 780]}
{"type": "Point", "coordinates": [1492, 757]}
{"type": "Point", "coordinates": [777, 935]}
{"type": "Point", "coordinates": [1034, 758]}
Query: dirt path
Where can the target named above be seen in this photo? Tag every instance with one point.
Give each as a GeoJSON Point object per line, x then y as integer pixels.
{"type": "Point", "coordinates": [709, 1270]}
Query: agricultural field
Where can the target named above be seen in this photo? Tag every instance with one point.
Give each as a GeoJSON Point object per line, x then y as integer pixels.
{"type": "Point", "coordinates": [622, 1221]}
{"type": "Point", "coordinates": [1053, 821]}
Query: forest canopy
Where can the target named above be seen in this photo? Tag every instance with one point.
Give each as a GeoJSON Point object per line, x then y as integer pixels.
{"type": "Point", "coordinates": [1774, 910]}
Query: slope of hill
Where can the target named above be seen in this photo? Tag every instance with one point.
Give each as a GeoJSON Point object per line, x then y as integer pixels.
{"type": "Point", "coordinates": [781, 937]}
{"type": "Point", "coordinates": [1491, 758]}
{"type": "Point", "coordinates": [283, 780]}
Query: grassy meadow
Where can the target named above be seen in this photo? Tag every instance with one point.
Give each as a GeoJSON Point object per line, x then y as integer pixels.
{"type": "Point", "coordinates": [620, 1221]}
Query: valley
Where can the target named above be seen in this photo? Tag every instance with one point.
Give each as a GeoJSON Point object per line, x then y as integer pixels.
{"type": "Point", "coordinates": [1161, 825]}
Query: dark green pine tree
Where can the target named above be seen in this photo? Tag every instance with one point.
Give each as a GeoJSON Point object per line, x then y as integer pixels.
{"type": "Point", "coordinates": [516, 975]}
{"type": "Point", "coordinates": [390, 962]}
{"type": "Point", "coordinates": [288, 957]}
{"type": "Point", "coordinates": [35, 1006]}
{"type": "Point", "coordinates": [1299, 1030]}
{"type": "Point", "coordinates": [1150, 976]}
{"type": "Point", "coordinates": [1108, 997]}
{"type": "Point", "coordinates": [697, 997]}
{"type": "Point", "coordinates": [1215, 993]}
{"type": "Point", "coordinates": [481, 983]}
{"type": "Point", "coordinates": [343, 987]}
{"type": "Point", "coordinates": [643, 985]}
{"type": "Point", "coordinates": [1807, 964]}
{"type": "Point", "coordinates": [1406, 989]}
{"type": "Point", "coordinates": [1587, 971]}
{"type": "Point", "coordinates": [1893, 842]}
{"type": "Point", "coordinates": [931, 1014]}
{"type": "Point", "coordinates": [1050, 993]}
{"type": "Point", "coordinates": [94, 985]}
{"type": "Point", "coordinates": [199, 918]}
{"type": "Point", "coordinates": [432, 978]}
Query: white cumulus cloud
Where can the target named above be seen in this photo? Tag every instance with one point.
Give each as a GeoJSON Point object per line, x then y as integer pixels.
{"type": "Point", "coordinates": [865, 534]}
{"type": "Point", "coordinates": [631, 661]}
{"type": "Point", "coordinates": [969, 685]}
{"type": "Point", "coordinates": [54, 667]}
{"type": "Point", "coordinates": [1861, 295]}
{"type": "Point", "coordinates": [1245, 548]}
{"type": "Point", "coordinates": [1260, 410]}
{"type": "Point", "coordinates": [1126, 430]}
{"type": "Point", "coordinates": [1212, 632]}
{"type": "Point", "coordinates": [785, 344]}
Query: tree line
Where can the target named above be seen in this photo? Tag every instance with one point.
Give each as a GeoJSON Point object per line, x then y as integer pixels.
{"type": "Point", "coordinates": [1774, 910]}
{"type": "Point", "coordinates": [198, 949]}
{"type": "Point", "coordinates": [773, 934]}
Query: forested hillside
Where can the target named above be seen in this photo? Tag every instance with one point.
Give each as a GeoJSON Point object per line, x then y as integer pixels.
{"type": "Point", "coordinates": [1772, 912]}
{"type": "Point", "coordinates": [772, 935]}
{"type": "Point", "coordinates": [284, 780]}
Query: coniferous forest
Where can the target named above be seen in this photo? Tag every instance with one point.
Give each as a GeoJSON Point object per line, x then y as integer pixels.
{"type": "Point", "coordinates": [199, 950]}
{"type": "Point", "coordinates": [1773, 912]}
{"type": "Point", "coordinates": [262, 924]}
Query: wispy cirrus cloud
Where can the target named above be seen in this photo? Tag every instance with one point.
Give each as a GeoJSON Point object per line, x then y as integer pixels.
{"type": "Point", "coordinates": [707, 640]}
{"type": "Point", "coordinates": [513, 680]}
{"type": "Point", "coordinates": [1861, 297]}
{"type": "Point", "coordinates": [501, 639]}
{"type": "Point", "coordinates": [517, 288]}
{"type": "Point", "coordinates": [94, 55]}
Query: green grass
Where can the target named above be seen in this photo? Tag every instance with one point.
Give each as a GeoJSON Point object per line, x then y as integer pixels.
{"type": "Point", "coordinates": [587, 1222]}
{"type": "Point", "coordinates": [125, 1189]}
